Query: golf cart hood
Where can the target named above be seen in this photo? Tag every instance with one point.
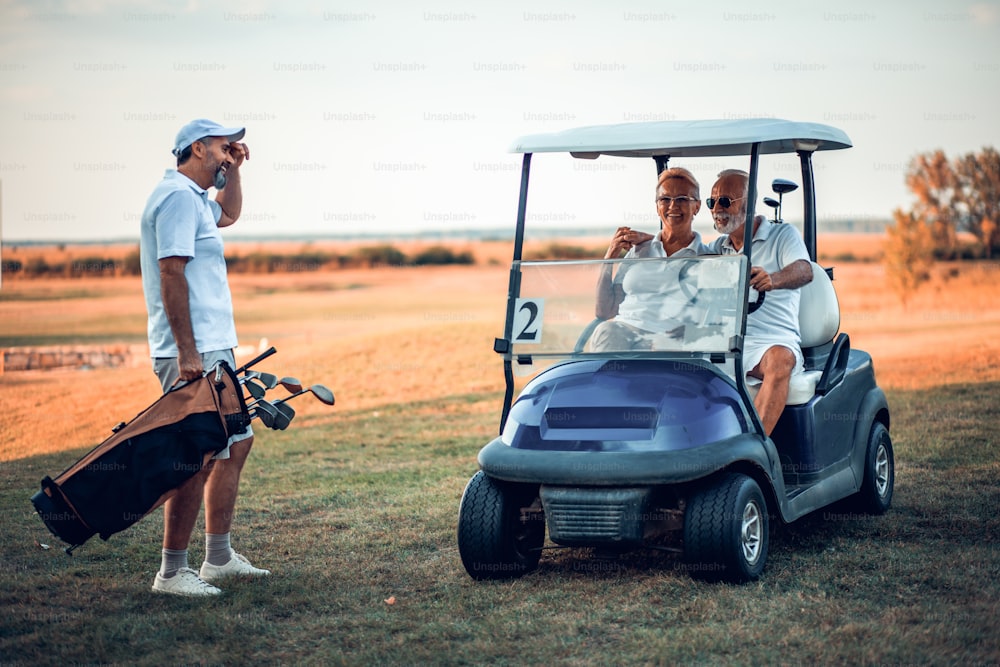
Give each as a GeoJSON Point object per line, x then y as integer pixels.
{"type": "Point", "coordinates": [695, 138]}
{"type": "Point", "coordinates": [625, 405]}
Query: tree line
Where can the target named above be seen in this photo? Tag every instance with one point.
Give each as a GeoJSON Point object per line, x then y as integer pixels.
{"type": "Point", "coordinates": [255, 262]}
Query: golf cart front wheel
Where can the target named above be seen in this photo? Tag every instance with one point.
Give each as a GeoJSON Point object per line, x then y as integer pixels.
{"type": "Point", "coordinates": [496, 538]}
{"type": "Point", "coordinates": [726, 530]}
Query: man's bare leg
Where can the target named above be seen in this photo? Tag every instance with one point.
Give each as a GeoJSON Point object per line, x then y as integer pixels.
{"type": "Point", "coordinates": [220, 502]}
{"type": "Point", "coordinates": [223, 486]}
{"type": "Point", "coordinates": [180, 512]}
{"type": "Point", "coordinates": [775, 371]}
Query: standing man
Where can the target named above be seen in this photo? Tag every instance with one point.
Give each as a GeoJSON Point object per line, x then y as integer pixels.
{"type": "Point", "coordinates": [642, 301]}
{"type": "Point", "coordinates": [772, 351]}
{"type": "Point", "coordinates": [190, 329]}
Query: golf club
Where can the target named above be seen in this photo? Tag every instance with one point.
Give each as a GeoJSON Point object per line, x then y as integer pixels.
{"type": "Point", "coordinates": [284, 416]}
{"type": "Point", "coordinates": [266, 412]}
{"type": "Point", "coordinates": [260, 357]}
{"type": "Point", "coordinates": [256, 390]}
{"type": "Point", "coordinates": [290, 384]}
{"type": "Point", "coordinates": [267, 379]}
{"type": "Point", "coordinates": [322, 394]}
{"type": "Point", "coordinates": [773, 203]}
{"type": "Point", "coordinates": [781, 187]}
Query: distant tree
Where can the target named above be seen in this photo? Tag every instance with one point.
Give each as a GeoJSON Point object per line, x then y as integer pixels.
{"type": "Point", "coordinates": [932, 180]}
{"type": "Point", "coordinates": [36, 267]}
{"type": "Point", "coordinates": [962, 195]}
{"type": "Point", "coordinates": [132, 266]}
{"type": "Point", "coordinates": [557, 250]}
{"type": "Point", "coordinates": [909, 254]}
{"type": "Point", "coordinates": [439, 254]}
{"type": "Point", "coordinates": [380, 255]}
{"type": "Point", "coordinates": [978, 193]}
{"type": "Point", "coordinates": [11, 266]}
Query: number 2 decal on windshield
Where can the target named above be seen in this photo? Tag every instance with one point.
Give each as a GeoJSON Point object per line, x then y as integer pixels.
{"type": "Point", "coordinates": [528, 314]}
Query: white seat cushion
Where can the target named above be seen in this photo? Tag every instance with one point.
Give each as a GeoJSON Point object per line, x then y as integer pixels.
{"type": "Point", "coordinates": [801, 387]}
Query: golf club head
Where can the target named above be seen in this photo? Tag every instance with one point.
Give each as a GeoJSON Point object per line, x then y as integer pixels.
{"type": "Point", "coordinates": [291, 385]}
{"type": "Point", "coordinates": [256, 390]}
{"type": "Point", "coordinates": [783, 185]}
{"type": "Point", "coordinates": [322, 394]}
{"type": "Point", "coordinates": [284, 416]}
{"type": "Point", "coordinates": [268, 380]}
{"type": "Point", "coordinates": [266, 412]}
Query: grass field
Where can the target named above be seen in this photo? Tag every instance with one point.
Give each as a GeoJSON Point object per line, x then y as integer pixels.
{"type": "Point", "coordinates": [356, 505]}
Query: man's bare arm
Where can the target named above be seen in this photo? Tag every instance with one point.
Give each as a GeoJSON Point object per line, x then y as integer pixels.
{"type": "Point", "coordinates": [793, 276]}
{"type": "Point", "coordinates": [176, 303]}
{"type": "Point", "coordinates": [230, 198]}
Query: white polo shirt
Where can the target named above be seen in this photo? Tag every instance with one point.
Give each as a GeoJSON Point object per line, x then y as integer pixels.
{"type": "Point", "coordinates": [775, 246]}
{"type": "Point", "coordinates": [653, 299]}
{"type": "Point", "coordinates": [181, 221]}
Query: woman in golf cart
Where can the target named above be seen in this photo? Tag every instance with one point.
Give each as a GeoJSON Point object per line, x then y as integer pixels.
{"type": "Point", "coordinates": [641, 300]}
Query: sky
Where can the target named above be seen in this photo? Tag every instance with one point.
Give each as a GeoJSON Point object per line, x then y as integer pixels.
{"type": "Point", "coordinates": [395, 117]}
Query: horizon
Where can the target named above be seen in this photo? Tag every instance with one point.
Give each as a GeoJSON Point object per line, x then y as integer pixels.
{"type": "Point", "coordinates": [866, 227]}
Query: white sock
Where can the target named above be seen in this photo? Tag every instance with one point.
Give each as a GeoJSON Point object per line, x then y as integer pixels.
{"type": "Point", "coordinates": [218, 550]}
{"type": "Point", "coordinates": [172, 560]}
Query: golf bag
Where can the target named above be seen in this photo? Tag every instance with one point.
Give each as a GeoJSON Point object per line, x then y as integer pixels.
{"type": "Point", "coordinates": [145, 460]}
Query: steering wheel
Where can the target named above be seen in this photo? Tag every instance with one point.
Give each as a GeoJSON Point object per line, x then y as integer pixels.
{"type": "Point", "coordinates": [691, 292]}
{"type": "Point", "coordinates": [688, 289]}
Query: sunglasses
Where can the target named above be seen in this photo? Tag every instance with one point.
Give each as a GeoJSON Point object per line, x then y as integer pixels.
{"type": "Point", "coordinates": [683, 199]}
{"type": "Point", "coordinates": [724, 202]}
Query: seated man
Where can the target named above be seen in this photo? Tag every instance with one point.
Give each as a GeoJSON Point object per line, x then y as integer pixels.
{"type": "Point", "coordinates": [641, 298]}
{"type": "Point", "coordinates": [781, 265]}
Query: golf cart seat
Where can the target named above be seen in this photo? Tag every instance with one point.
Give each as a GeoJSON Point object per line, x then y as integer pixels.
{"type": "Point", "coordinates": [825, 353]}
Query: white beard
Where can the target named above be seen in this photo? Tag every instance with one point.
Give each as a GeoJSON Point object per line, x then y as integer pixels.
{"type": "Point", "coordinates": [729, 225]}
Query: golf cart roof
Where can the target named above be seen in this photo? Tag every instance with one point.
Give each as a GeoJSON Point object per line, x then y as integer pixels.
{"type": "Point", "coordinates": [686, 138]}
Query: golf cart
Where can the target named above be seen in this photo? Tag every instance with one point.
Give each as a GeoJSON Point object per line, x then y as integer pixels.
{"type": "Point", "coordinates": [620, 449]}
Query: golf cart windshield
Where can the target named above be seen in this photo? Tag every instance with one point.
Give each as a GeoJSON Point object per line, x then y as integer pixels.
{"type": "Point", "coordinates": [665, 307]}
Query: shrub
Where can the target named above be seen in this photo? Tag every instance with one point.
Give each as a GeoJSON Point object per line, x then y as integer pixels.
{"type": "Point", "coordinates": [442, 255]}
{"type": "Point", "coordinates": [557, 250]}
{"type": "Point", "coordinates": [380, 255]}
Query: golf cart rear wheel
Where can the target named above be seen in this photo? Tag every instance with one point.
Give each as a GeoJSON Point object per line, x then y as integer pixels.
{"type": "Point", "coordinates": [496, 540]}
{"type": "Point", "coordinates": [726, 530]}
{"type": "Point", "coordinates": [875, 495]}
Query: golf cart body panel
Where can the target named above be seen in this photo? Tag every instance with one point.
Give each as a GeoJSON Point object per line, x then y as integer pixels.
{"type": "Point", "coordinates": [619, 438]}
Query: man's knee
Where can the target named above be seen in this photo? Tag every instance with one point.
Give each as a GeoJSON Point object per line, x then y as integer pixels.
{"type": "Point", "coordinates": [777, 362]}
{"type": "Point", "coordinates": [238, 452]}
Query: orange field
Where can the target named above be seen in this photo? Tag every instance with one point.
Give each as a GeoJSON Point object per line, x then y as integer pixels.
{"type": "Point", "coordinates": [411, 335]}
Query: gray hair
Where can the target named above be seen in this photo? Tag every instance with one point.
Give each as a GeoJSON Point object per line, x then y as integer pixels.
{"type": "Point", "coordinates": [726, 173]}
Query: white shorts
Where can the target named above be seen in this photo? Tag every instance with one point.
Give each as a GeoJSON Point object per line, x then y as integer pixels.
{"type": "Point", "coordinates": [168, 372]}
{"type": "Point", "coordinates": [753, 352]}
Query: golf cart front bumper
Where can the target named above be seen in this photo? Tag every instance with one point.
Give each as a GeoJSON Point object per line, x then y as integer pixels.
{"type": "Point", "coordinates": [623, 468]}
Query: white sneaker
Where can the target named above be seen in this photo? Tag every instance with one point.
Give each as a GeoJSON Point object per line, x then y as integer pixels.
{"type": "Point", "coordinates": [237, 565]}
{"type": "Point", "coordinates": [185, 582]}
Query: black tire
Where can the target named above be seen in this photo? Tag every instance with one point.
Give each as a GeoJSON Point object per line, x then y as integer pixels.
{"type": "Point", "coordinates": [875, 495]}
{"type": "Point", "coordinates": [493, 539]}
{"type": "Point", "coordinates": [726, 530]}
